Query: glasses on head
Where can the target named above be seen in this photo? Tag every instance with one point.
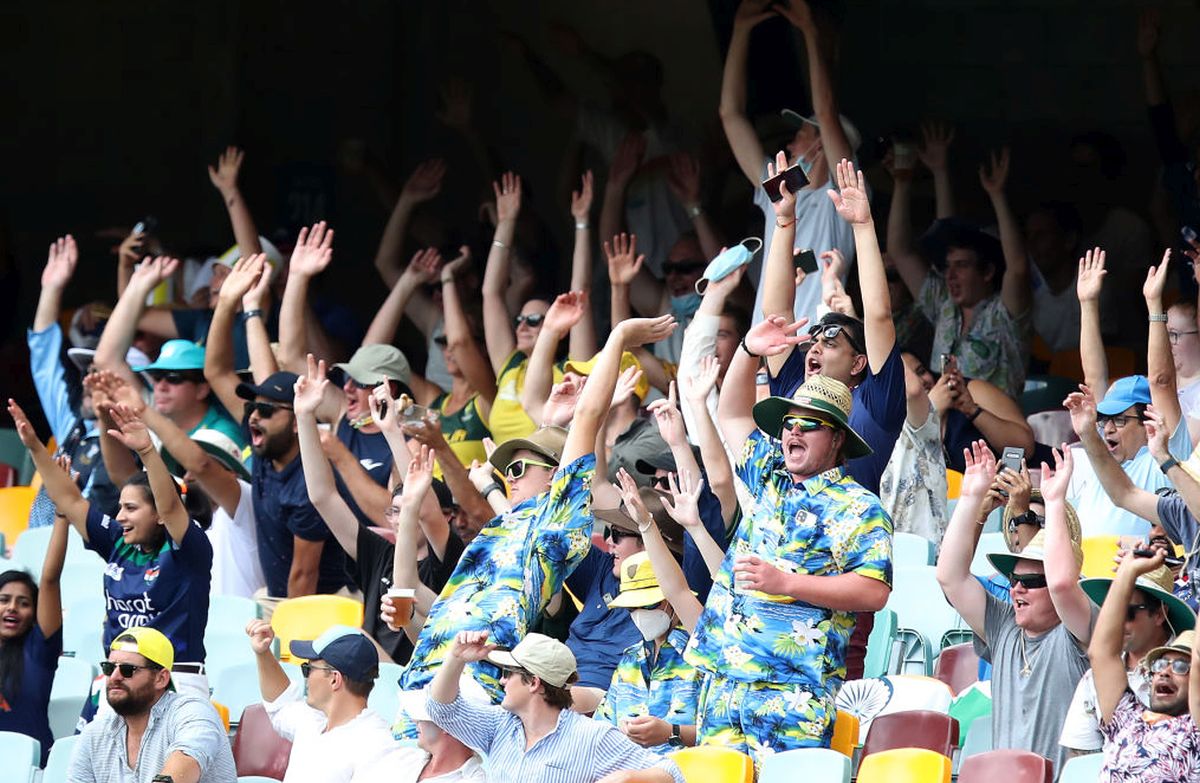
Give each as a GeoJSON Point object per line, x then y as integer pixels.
{"type": "Point", "coordinates": [175, 377]}
{"type": "Point", "coordinates": [829, 332]}
{"type": "Point", "coordinates": [1030, 517]}
{"type": "Point", "coordinates": [682, 267]}
{"type": "Point", "coordinates": [307, 668]}
{"type": "Point", "coordinates": [533, 319]}
{"type": "Point", "coordinates": [1174, 334]}
{"type": "Point", "coordinates": [616, 535]}
{"type": "Point", "coordinates": [127, 670]}
{"type": "Point", "coordinates": [1177, 665]}
{"type": "Point", "coordinates": [803, 423]}
{"type": "Point", "coordinates": [1132, 610]}
{"type": "Point", "coordinates": [517, 467]}
{"type": "Point", "coordinates": [1029, 581]}
{"type": "Point", "coordinates": [266, 410]}
{"type": "Point", "coordinates": [1118, 421]}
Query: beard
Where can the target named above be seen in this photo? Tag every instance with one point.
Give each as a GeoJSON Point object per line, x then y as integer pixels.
{"type": "Point", "coordinates": [126, 702]}
{"type": "Point", "coordinates": [275, 445]}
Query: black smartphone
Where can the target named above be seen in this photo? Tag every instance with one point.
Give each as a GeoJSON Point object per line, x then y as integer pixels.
{"type": "Point", "coordinates": [794, 177]}
{"type": "Point", "coordinates": [806, 260]}
{"type": "Point", "coordinates": [1011, 458]}
{"type": "Point", "coordinates": [1145, 552]}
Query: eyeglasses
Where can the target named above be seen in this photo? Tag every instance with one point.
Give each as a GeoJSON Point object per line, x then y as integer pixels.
{"type": "Point", "coordinates": [441, 341]}
{"type": "Point", "coordinates": [533, 319]}
{"type": "Point", "coordinates": [265, 410]}
{"type": "Point", "coordinates": [829, 332]}
{"type": "Point", "coordinates": [175, 377]}
{"type": "Point", "coordinates": [1132, 610]}
{"type": "Point", "coordinates": [307, 668]}
{"type": "Point", "coordinates": [1029, 581]}
{"type": "Point", "coordinates": [1178, 666]}
{"type": "Point", "coordinates": [517, 467]}
{"type": "Point", "coordinates": [1174, 335]}
{"type": "Point", "coordinates": [1118, 421]}
{"type": "Point", "coordinates": [127, 669]}
{"type": "Point", "coordinates": [682, 267]}
{"type": "Point", "coordinates": [1030, 517]}
{"type": "Point", "coordinates": [616, 535]}
{"type": "Point", "coordinates": [803, 423]}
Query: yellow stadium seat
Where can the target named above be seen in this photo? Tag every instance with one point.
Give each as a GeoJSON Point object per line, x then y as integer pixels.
{"type": "Point", "coordinates": [714, 764]}
{"type": "Point", "coordinates": [905, 765]}
{"type": "Point", "coordinates": [845, 733]}
{"type": "Point", "coordinates": [310, 616]}
{"type": "Point", "coordinates": [953, 484]}
{"type": "Point", "coordinates": [223, 712]}
{"type": "Point", "coordinates": [15, 503]}
{"type": "Point", "coordinates": [1098, 554]}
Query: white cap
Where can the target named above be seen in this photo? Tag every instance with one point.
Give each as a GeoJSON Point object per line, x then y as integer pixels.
{"type": "Point", "coordinates": [541, 656]}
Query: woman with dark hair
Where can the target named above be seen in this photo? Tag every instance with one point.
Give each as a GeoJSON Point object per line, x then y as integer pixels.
{"type": "Point", "coordinates": [159, 569]}
{"type": "Point", "coordinates": [31, 640]}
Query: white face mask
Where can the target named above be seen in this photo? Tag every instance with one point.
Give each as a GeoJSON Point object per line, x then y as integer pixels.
{"type": "Point", "coordinates": [652, 623]}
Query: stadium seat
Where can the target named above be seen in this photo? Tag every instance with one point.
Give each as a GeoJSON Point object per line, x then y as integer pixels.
{"type": "Point", "coordinates": [310, 616]}
{"type": "Point", "coordinates": [1011, 766]}
{"type": "Point", "coordinates": [223, 713]}
{"type": "Point", "coordinates": [59, 762]}
{"type": "Point", "coordinates": [11, 565]}
{"type": "Point", "coordinates": [230, 613]}
{"type": "Point", "coordinates": [909, 549]}
{"type": "Point", "coordinates": [953, 483]}
{"type": "Point", "coordinates": [712, 764]}
{"type": "Point", "coordinates": [818, 764]}
{"type": "Point", "coordinates": [880, 644]}
{"type": "Point", "coordinates": [385, 696]}
{"type": "Point", "coordinates": [8, 475]}
{"type": "Point", "coordinates": [257, 749]}
{"type": "Point", "coordinates": [22, 756]}
{"type": "Point", "coordinates": [917, 692]}
{"type": "Point", "coordinates": [957, 666]}
{"type": "Point", "coordinates": [845, 734]}
{"type": "Point", "coordinates": [72, 684]}
{"type": "Point", "coordinates": [989, 543]}
{"type": "Point", "coordinates": [15, 503]}
{"type": "Point", "coordinates": [935, 731]}
{"type": "Point", "coordinates": [255, 779]}
{"type": "Point", "coordinates": [978, 737]}
{"type": "Point", "coordinates": [236, 686]}
{"type": "Point", "coordinates": [1082, 769]}
{"type": "Point", "coordinates": [83, 625]}
{"type": "Point", "coordinates": [226, 649]}
{"type": "Point", "coordinates": [905, 765]}
{"type": "Point", "coordinates": [30, 549]}
{"type": "Point", "coordinates": [923, 616]}
{"type": "Point", "coordinates": [84, 578]}
{"type": "Point", "coordinates": [1098, 554]}
{"type": "Point", "coordinates": [14, 453]}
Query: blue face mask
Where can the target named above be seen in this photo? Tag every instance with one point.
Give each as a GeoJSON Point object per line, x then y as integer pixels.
{"type": "Point", "coordinates": [806, 165]}
{"type": "Point", "coordinates": [724, 264]}
{"type": "Point", "coordinates": [685, 306]}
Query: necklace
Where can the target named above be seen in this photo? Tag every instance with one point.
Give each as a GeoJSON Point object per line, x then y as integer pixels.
{"type": "Point", "coordinates": [1027, 669]}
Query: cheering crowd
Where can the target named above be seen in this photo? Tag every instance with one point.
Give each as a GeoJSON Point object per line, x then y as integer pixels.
{"type": "Point", "coordinates": [653, 510]}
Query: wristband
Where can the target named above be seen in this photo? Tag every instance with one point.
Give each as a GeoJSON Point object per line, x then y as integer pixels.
{"type": "Point", "coordinates": [1167, 464]}
{"type": "Point", "coordinates": [695, 211]}
{"type": "Point", "coordinates": [581, 225]}
{"type": "Point", "coordinates": [643, 527]}
{"type": "Point", "coordinates": [785, 225]}
{"type": "Point", "coordinates": [498, 243]}
{"type": "Point", "coordinates": [490, 488]}
{"type": "Point", "coordinates": [449, 279]}
{"type": "Point", "coordinates": [975, 415]}
{"type": "Point", "coordinates": [1160, 318]}
{"type": "Point", "coordinates": [246, 316]}
{"type": "Point", "coordinates": [749, 352]}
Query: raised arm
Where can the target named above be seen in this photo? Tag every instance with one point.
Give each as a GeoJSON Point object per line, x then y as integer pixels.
{"type": "Point", "coordinates": [909, 263]}
{"type": "Point", "coordinates": [769, 337]}
{"type": "Point", "coordinates": [583, 343]}
{"type": "Point", "coordinates": [1160, 366]}
{"type": "Point", "coordinates": [684, 508]}
{"type": "Point", "coordinates": [1116, 482]}
{"type": "Point", "coordinates": [820, 47]}
{"type": "Point", "coordinates": [272, 680]}
{"type": "Point", "coordinates": [696, 387]}
{"type": "Point", "coordinates": [59, 486]}
{"type": "Point", "coordinates": [779, 273]}
{"type": "Point", "coordinates": [566, 311]}
{"type": "Point", "coordinates": [60, 267]}
{"type": "Point", "coordinates": [49, 603]}
{"type": "Point", "coordinates": [497, 320]}
{"type": "Point", "coordinates": [999, 418]}
{"type": "Point", "coordinates": [422, 270]}
{"type": "Point", "coordinates": [1062, 569]}
{"type": "Point", "coordinates": [743, 140]}
{"type": "Point", "coordinates": [404, 562]}
{"type": "Point", "coordinates": [119, 461]}
{"type": "Point", "coordinates": [962, 590]}
{"type": "Point", "coordinates": [461, 339]}
{"type": "Point", "coordinates": [625, 266]}
{"type": "Point", "coordinates": [225, 179]}
{"type": "Point", "coordinates": [123, 323]}
{"type": "Point", "coordinates": [1091, 344]}
{"type": "Point", "coordinates": [312, 254]}
{"type": "Point", "coordinates": [132, 432]}
{"type": "Point", "coordinates": [1015, 289]}
{"type": "Point", "coordinates": [683, 176]}
{"type": "Point", "coordinates": [247, 276]}
{"type": "Point", "coordinates": [624, 164]}
{"type": "Point", "coordinates": [936, 138]}
{"type": "Point", "coordinates": [422, 185]}
{"type": "Point", "coordinates": [855, 209]}
{"type": "Point", "coordinates": [1108, 640]}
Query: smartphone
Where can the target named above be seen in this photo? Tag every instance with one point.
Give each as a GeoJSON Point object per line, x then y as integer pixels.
{"type": "Point", "coordinates": [947, 360]}
{"type": "Point", "coordinates": [794, 177]}
{"type": "Point", "coordinates": [1189, 234]}
{"type": "Point", "coordinates": [904, 156]}
{"type": "Point", "coordinates": [1011, 458]}
{"type": "Point", "coordinates": [1145, 552]}
{"type": "Point", "coordinates": [806, 260]}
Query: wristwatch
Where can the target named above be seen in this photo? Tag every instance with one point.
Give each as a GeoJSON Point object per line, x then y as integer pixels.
{"type": "Point", "coordinates": [676, 740]}
{"type": "Point", "coordinates": [1167, 464]}
{"type": "Point", "coordinates": [162, 779]}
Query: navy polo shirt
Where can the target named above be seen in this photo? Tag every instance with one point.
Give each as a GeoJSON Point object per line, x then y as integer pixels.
{"type": "Point", "coordinates": [877, 414]}
{"type": "Point", "coordinates": [283, 511]}
{"type": "Point", "coordinates": [166, 590]}
{"type": "Point", "coordinates": [26, 709]}
{"type": "Point", "coordinates": [374, 454]}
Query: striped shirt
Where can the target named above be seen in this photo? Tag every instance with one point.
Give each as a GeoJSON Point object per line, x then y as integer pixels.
{"type": "Point", "coordinates": [178, 722]}
{"type": "Point", "coordinates": [578, 750]}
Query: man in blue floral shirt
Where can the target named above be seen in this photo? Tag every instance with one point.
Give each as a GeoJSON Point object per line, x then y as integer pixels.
{"type": "Point", "coordinates": [813, 547]}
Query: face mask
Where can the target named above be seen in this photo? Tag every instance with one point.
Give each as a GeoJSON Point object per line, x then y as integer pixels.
{"type": "Point", "coordinates": [685, 306]}
{"type": "Point", "coordinates": [652, 623]}
{"type": "Point", "coordinates": [806, 165]}
{"type": "Point", "coordinates": [724, 264]}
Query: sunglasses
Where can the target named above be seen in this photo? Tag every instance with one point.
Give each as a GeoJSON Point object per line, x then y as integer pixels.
{"type": "Point", "coordinates": [441, 341]}
{"type": "Point", "coordinates": [508, 671]}
{"type": "Point", "coordinates": [1030, 581]}
{"type": "Point", "coordinates": [1028, 518]}
{"type": "Point", "coordinates": [803, 423]}
{"type": "Point", "coordinates": [830, 332]}
{"type": "Point", "coordinates": [1118, 421]}
{"type": "Point", "coordinates": [681, 267]}
{"type": "Point", "coordinates": [616, 535]}
{"type": "Point", "coordinates": [307, 668]}
{"type": "Point", "coordinates": [127, 669]}
{"type": "Point", "coordinates": [1132, 610]}
{"type": "Point", "coordinates": [265, 410]}
{"type": "Point", "coordinates": [533, 319]}
{"type": "Point", "coordinates": [1177, 665]}
{"type": "Point", "coordinates": [175, 377]}
{"type": "Point", "coordinates": [517, 467]}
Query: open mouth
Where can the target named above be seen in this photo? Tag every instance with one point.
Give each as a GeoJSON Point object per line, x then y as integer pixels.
{"type": "Point", "coordinates": [1165, 689]}
{"type": "Point", "coordinates": [10, 622]}
{"type": "Point", "coordinates": [812, 365]}
{"type": "Point", "coordinates": [1020, 603]}
{"type": "Point", "coordinates": [256, 435]}
{"type": "Point", "coordinates": [1112, 443]}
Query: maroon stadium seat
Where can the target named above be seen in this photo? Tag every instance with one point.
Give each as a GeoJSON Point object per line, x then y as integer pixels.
{"type": "Point", "coordinates": [958, 667]}
{"type": "Point", "coordinates": [257, 749]}
{"type": "Point", "coordinates": [1011, 766]}
{"type": "Point", "coordinates": [935, 731]}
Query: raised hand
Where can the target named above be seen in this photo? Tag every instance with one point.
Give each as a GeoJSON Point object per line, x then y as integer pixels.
{"type": "Point", "coordinates": [632, 499]}
{"type": "Point", "coordinates": [623, 261]}
{"type": "Point", "coordinates": [1016, 484]}
{"type": "Point", "coordinates": [785, 207]}
{"type": "Point", "coordinates": [851, 203]}
{"type": "Point", "coordinates": [1091, 276]}
{"type": "Point", "coordinates": [1156, 280]}
{"type": "Point", "coordinates": [246, 274]}
{"type": "Point", "coordinates": [63, 461]}
{"type": "Point", "coordinates": [581, 200]}
{"type": "Point", "coordinates": [424, 267]}
{"type": "Point", "coordinates": [936, 140]}
{"type": "Point", "coordinates": [261, 635]}
{"type": "Point", "coordinates": [684, 505]}
{"type": "Point", "coordinates": [108, 389]}
{"type": "Point", "coordinates": [385, 410]}
{"type": "Point", "coordinates": [799, 13]}
{"type": "Point", "coordinates": [425, 182]}
{"type": "Point", "coordinates": [981, 467]}
{"type": "Point", "coordinates": [774, 335]}
{"type": "Point", "coordinates": [313, 251]}
{"type": "Point", "coordinates": [130, 249]}
{"type": "Point", "coordinates": [566, 311]}
{"type": "Point", "coordinates": [420, 476]}
{"type": "Point", "coordinates": [643, 331]}
{"type": "Point", "coordinates": [1082, 407]}
{"type": "Point", "coordinates": [60, 263]}
{"type": "Point", "coordinates": [456, 104]}
{"type": "Point", "coordinates": [310, 388]}
{"type": "Point", "coordinates": [508, 197]}
{"type": "Point", "coordinates": [457, 265]}
{"type": "Point", "coordinates": [470, 646]}
{"type": "Point", "coordinates": [669, 419]}
{"type": "Point", "coordinates": [481, 474]}
{"type": "Point", "coordinates": [1054, 485]}
{"type": "Point", "coordinates": [697, 384]}
{"type": "Point", "coordinates": [993, 179]}
{"type": "Point", "coordinates": [130, 429]}
{"type": "Point", "coordinates": [626, 384]}
{"type": "Point", "coordinates": [1157, 434]}
{"type": "Point", "coordinates": [1147, 34]}
{"type": "Point", "coordinates": [626, 159]}
{"type": "Point", "coordinates": [148, 274]}
{"type": "Point", "coordinates": [683, 177]}
{"type": "Point", "coordinates": [751, 12]}
{"type": "Point", "coordinates": [254, 298]}
{"type": "Point", "coordinates": [721, 289]}
{"type": "Point", "coordinates": [560, 407]}
{"type": "Point", "coordinates": [225, 176]}
{"type": "Point", "coordinates": [21, 422]}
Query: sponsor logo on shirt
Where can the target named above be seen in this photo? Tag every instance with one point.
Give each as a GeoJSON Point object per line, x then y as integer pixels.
{"type": "Point", "coordinates": [370, 464]}
{"type": "Point", "coordinates": [151, 574]}
{"type": "Point", "coordinates": [132, 612]}
{"type": "Point", "coordinates": [112, 570]}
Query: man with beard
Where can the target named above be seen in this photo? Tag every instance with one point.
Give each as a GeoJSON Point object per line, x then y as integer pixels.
{"type": "Point", "coordinates": [1162, 743]}
{"type": "Point", "coordinates": [153, 732]}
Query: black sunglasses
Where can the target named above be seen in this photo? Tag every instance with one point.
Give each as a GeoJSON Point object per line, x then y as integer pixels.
{"type": "Point", "coordinates": [616, 535]}
{"type": "Point", "coordinates": [1030, 517]}
{"type": "Point", "coordinates": [1030, 581]}
{"type": "Point", "coordinates": [509, 671]}
{"type": "Point", "coordinates": [533, 319]}
{"type": "Point", "coordinates": [127, 669]}
{"type": "Point", "coordinates": [831, 331]}
{"type": "Point", "coordinates": [682, 267]}
{"type": "Point", "coordinates": [441, 341]}
{"type": "Point", "coordinates": [266, 409]}
{"type": "Point", "coordinates": [175, 377]}
{"type": "Point", "coordinates": [307, 668]}
{"type": "Point", "coordinates": [1132, 610]}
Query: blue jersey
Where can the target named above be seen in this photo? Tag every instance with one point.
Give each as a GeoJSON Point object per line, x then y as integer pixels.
{"type": "Point", "coordinates": [373, 453]}
{"type": "Point", "coordinates": [166, 590]}
{"type": "Point", "coordinates": [24, 709]}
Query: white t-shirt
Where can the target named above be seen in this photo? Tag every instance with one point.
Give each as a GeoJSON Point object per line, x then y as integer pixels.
{"type": "Point", "coordinates": [334, 756]}
{"type": "Point", "coordinates": [236, 569]}
{"type": "Point", "coordinates": [1081, 729]}
{"type": "Point", "coordinates": [1055, 316]}
{"type": "Point", "coordinates": [404, 765]}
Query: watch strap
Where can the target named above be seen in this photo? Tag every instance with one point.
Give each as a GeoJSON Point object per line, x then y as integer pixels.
{"type": "Point", "coordinates": [1167, 464]}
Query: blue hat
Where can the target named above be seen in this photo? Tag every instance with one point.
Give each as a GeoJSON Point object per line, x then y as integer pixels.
{"type": "Point", "coordinates": [1130, 390]}
{"type": "Point", "coordinates": [344, 648]}
{"type": "Point", "coordinates": [176, 355]}
{"type": "Point", "coordinates": [279, 386]}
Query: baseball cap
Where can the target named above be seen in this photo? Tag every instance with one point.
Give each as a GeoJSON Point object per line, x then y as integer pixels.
{"type": "Point", "coordinates": [344, 648]}
{"type": "Point", "coordinates": [279, 386]}
{"type": "Point", "coordinates": [1126, 392]}
{"type": "Point", "coordinates": [797, 120]}
{"type": "Point", "coordinates": [376, 363]}
{"type": "Point", "coordinates": [147, 642]}
{"type": "Point", "coordinates": [627, 360]}
{"type": "Point", "coordinates": [547, 441]}
{"type": "Point", "coordinates": [541, 656]}
{"type": "Point", "coordinates": [222, 448]}
{"type": "Point", "coordinates": [176, 355]}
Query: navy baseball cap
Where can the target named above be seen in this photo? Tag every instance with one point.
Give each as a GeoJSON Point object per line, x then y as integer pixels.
{"type": "Point", "coordinates": [344, 648]}
{"type": "Point", "coordinates": [1126, 392]}
{"type": "Point", "coordinates": [279, 386]}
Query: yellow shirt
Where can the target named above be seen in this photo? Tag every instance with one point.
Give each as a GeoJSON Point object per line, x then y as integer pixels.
{"type": "Point", "coordinates": [508, 419]}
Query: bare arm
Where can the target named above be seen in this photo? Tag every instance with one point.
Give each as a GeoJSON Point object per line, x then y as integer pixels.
{"type": "Point", "coordinates": [1160, 366]}
{"type": "Point", "coordinates": [1104, 651]}
{"type": "Point", "coordinates": [49, 603]}
{"type": "Point", "coordinates": [136, 437]}
{"type": "Point", "coordinates": [912, 268]}
{"type": "Point", "coordinates": [933, 153]}
{"type": "Point", "coordinates": [215, 479]}
{"type": "Point", "coordinates": [779, 273]}
{"type": "Point", "coordinates": [306, 567]}
{"type": "Point", "coordinates": [1000, 419]}
{"type": "Point", "coordinates": [962, 590]}
{"type": "Point", "coordinates": [181, 767]}
{"type": "Point", "coordinates": [820, 79]}
{"type": "Point", "coordinates": [312, 254]}
{"type": "Point", "coordinates": [60, 267]}
{"type": "Point", "coordinates": [1091, 343]}
{"type": "Point", "coordinates": [423, 184]}
{"type": "Point", "coordinates": [743, 140]}
{"type": "Point", "coordinates": [245, 281]}
{"type": "Point", "coordinates": [123, 323]}
{"type": "Point", "coordinates": [1062, 569]}
{"type": "Point", "coordinates": [421, 270]}
{"type": "Point", "coordinates": [59, 486]}
{"type": "Point", "coordinates": [696, 386]}
{"type": "Point", "coordinates": [258, 342]}
{"type": "Point", "coordinates": [404, 564]}
{"type": "Point", "coordinates": [770, 337]}
{"type": "Point", "coordinates": [272, 680]}
{"type": "Point", "coordinates": [566, 311]}
{"type": "Point", "coordinates": [1015, 289]}
{"type": "Point", "coordinates": [583, 342]}
{"type": "Point", "coordinates": [372, 498]}
{"type": "Point", "coordinates": [497, 325]}
{"type": "Point", "coordinates": [471, 361]}
{"type": "Point", "coordinates": [224, 178]}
